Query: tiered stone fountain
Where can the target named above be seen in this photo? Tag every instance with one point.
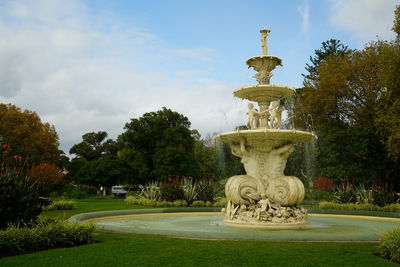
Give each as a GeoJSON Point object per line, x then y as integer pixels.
{"type": "Point", "coordinates": [264, 195]}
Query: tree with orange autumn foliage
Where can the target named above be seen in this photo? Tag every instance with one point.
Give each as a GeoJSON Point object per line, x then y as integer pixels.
{"type": "Point", "coordinates": [48, 177]}
{"type": "Point", "coordinates": [354, 100]}
{"type": "Point", "coordinates": [28, 136]}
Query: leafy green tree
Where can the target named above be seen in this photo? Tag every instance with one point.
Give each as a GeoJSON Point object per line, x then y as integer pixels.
{"type": "Point", "coordinates": [74, 166]}
{"type": "Point", "coordinates": [387, 117]}
{"type": "Point", "coordinates": [206, 157]}
{"type": "Point", "coordinates": [159, 144]}
{"type": "Point", "coordinates": [94, 146]}
{"type": "Point", "coordinates": [329, 48]}
{"type": "Point", "coordinates": [106, 171]}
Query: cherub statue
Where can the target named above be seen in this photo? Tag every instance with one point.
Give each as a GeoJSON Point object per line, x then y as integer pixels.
{"type": "Point", "coordinates": [276, 115]}
{"type": "Point", "coordinates": [265, 205]}
{"type": "Point", "coordinates": [253, 117]}
{"type": "Point", "coordinates": [264, 117]}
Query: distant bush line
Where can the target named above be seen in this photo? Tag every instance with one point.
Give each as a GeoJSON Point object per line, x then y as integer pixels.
{"type": "Point", "coordinates": [352, 206]}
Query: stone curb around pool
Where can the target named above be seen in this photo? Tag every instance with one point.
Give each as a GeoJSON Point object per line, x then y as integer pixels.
{"type": "Point", "coordinates": [97, 214]}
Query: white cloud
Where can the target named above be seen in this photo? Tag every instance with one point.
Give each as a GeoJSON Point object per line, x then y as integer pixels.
{"type": "Point", "coordinates": [84, 72]}
{"type": "Point", "coordinates": [364, 19]}
{"type": "Point", "coordinates": [304, 11]}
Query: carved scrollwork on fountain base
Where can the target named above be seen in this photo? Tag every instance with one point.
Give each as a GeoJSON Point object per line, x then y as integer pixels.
{"type": "Point", "coordinates": [286, 190]}
{"type": "Point", "coordinates": [264, 195]}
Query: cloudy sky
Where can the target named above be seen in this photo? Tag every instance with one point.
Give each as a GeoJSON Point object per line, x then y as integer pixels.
{"type": "Point", "coordinates": [91, 65]}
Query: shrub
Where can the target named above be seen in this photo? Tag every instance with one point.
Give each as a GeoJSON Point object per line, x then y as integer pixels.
{"type": "Point", "coordinates": [171, 191]}
{"type": "Point", "coordinates": [383, 197]}
{"type": "Point", "coordinates": [47, 176]}
{"type": "Point", "coordinates": [221, 202]}
{"type": "Point", "coordinates": [395, 207]}
{"type": "Point", "coordinates": [344, 193]}
{"type": "Point", "coordinates": [354, 206]}
{"type": "Point", "coordinates": [208, 190]}
{"type": "Point", "coordinates": [43, 235]}
{"type": "Point", "coordinates": [209, 204]}
{"type": "Point", "coordinates": [198, 203]}
{"type": "Point", "coordinates": [131, 200]}
{"type": "Point", "coordinates": [180, 203]}
{"type": "Point", "coordinates": [363, 194]}
{"type": "Point", "coordinates": [191, 189]}
{"type": "Point", "coordinates": [151, 191]}
{"type": "Point", "coordinates": [389, 245]}
{"type": "Point", "coordinates": [323, 183]}
{"type": "Point", "coordinates": [19, 197]}
{"type": "Point", "coordinates": [77, 191]}
{"type": "Point", "coordinates": [319, 195]}
{"type": "Point", "coordinates": [61, 205]}
{"type": "Point", "coordinates": [154, 203]}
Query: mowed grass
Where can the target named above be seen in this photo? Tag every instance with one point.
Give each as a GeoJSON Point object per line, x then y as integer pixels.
{"type": "Point", "coordinates": [90, 205]}
{"type": "Point", "coordinates": [115, 249]}
{"type": "Point", "coordinates": [150, 250]}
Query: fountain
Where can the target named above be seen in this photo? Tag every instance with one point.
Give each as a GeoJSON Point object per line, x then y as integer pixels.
{"type": "Point", "coordinates": [264, 195]}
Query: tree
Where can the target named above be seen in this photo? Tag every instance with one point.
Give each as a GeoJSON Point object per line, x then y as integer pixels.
{"type": "Point", "coordinates": [74, 166]}
{"type": "Point", "coordinates": [396, 23]}
{"type": "Point", "coordinates": [94, 146]}
{"type": "Point", "coordinates": [28, 136]}
{"type": "Point", "coordinates": [106, 171]}
{"type": "Point", "coordinates": [345, 100]}
{"type": "Point", "coordinates": [159, 144]}
{"type": "Point", "coordinates": [387, 116]}
{"type": "Point", "coordinates": [329, 48]}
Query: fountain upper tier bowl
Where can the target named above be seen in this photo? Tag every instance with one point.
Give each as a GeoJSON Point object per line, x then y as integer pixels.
{"type": "Point", "coordinates": [267, 63]}
{"type": "Point", "coordinates": [264, 140]}
{"type": "Point", "coordinates": [264, 92]}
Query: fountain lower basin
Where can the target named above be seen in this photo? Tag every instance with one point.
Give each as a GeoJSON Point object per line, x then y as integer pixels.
{"type": "Point", "coordinates": [210, 225]}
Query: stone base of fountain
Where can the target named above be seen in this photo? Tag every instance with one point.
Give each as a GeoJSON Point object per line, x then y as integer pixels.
{"type": "Point", "coordinates": [257, 214]}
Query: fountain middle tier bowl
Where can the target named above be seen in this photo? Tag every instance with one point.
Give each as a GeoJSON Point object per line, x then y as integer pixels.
{"type": "Point", "coordinates": [264, 92]}
{"type": "Point", "coordinates": [264, 63]}
{"type": "Point", "coordinates": [266, 139]}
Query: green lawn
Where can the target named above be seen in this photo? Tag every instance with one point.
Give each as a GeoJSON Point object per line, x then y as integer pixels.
{"type": "Point", "coordinates": [148, 250]}
{"type": "Point", "coordinates": [88, 205]}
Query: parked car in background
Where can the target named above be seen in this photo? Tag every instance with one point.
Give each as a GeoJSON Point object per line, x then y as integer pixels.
{"type": "Point", "coordinates": [119, 191]}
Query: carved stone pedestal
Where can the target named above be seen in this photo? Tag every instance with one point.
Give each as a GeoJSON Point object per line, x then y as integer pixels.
{"type": "Point", "coordinates": [264, 195]}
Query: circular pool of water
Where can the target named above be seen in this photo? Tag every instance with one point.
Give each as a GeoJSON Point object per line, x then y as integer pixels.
{"type": "Point", "coordinates": [210, 225]}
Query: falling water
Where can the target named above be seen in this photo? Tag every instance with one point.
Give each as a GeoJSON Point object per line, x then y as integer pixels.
{"type": "Point", "coordinates": [310, 162]}
{"type": "Point", "coordinates": [298, 119]}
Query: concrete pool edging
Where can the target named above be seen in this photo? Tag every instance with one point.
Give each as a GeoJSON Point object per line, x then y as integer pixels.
{"type": "Point", "coordinates": [207, 223]}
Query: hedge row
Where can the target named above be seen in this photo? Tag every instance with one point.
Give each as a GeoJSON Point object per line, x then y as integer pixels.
{"type": "Point", "coordinates": [44, 234]}
{"type": "Point", "coordinates": [61, 205]}
{"type": "Point", "coordinates": [353, 206]}
{"type": "Point", "coordinates": [177, 203]}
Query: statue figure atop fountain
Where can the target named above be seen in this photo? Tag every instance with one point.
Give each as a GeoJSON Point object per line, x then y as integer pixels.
{"type": "Point", "coordinates": [264, 195]}
{"type": "Point", "coordinates": [264, 34]}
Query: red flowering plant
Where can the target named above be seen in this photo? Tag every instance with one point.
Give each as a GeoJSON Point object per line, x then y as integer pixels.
{"type": "Point", "coordinates": [19, 196]}
{"type": "Point", "coordinates": [10, 164]}
{"type": "Point", "coordinates": [323, 183]}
